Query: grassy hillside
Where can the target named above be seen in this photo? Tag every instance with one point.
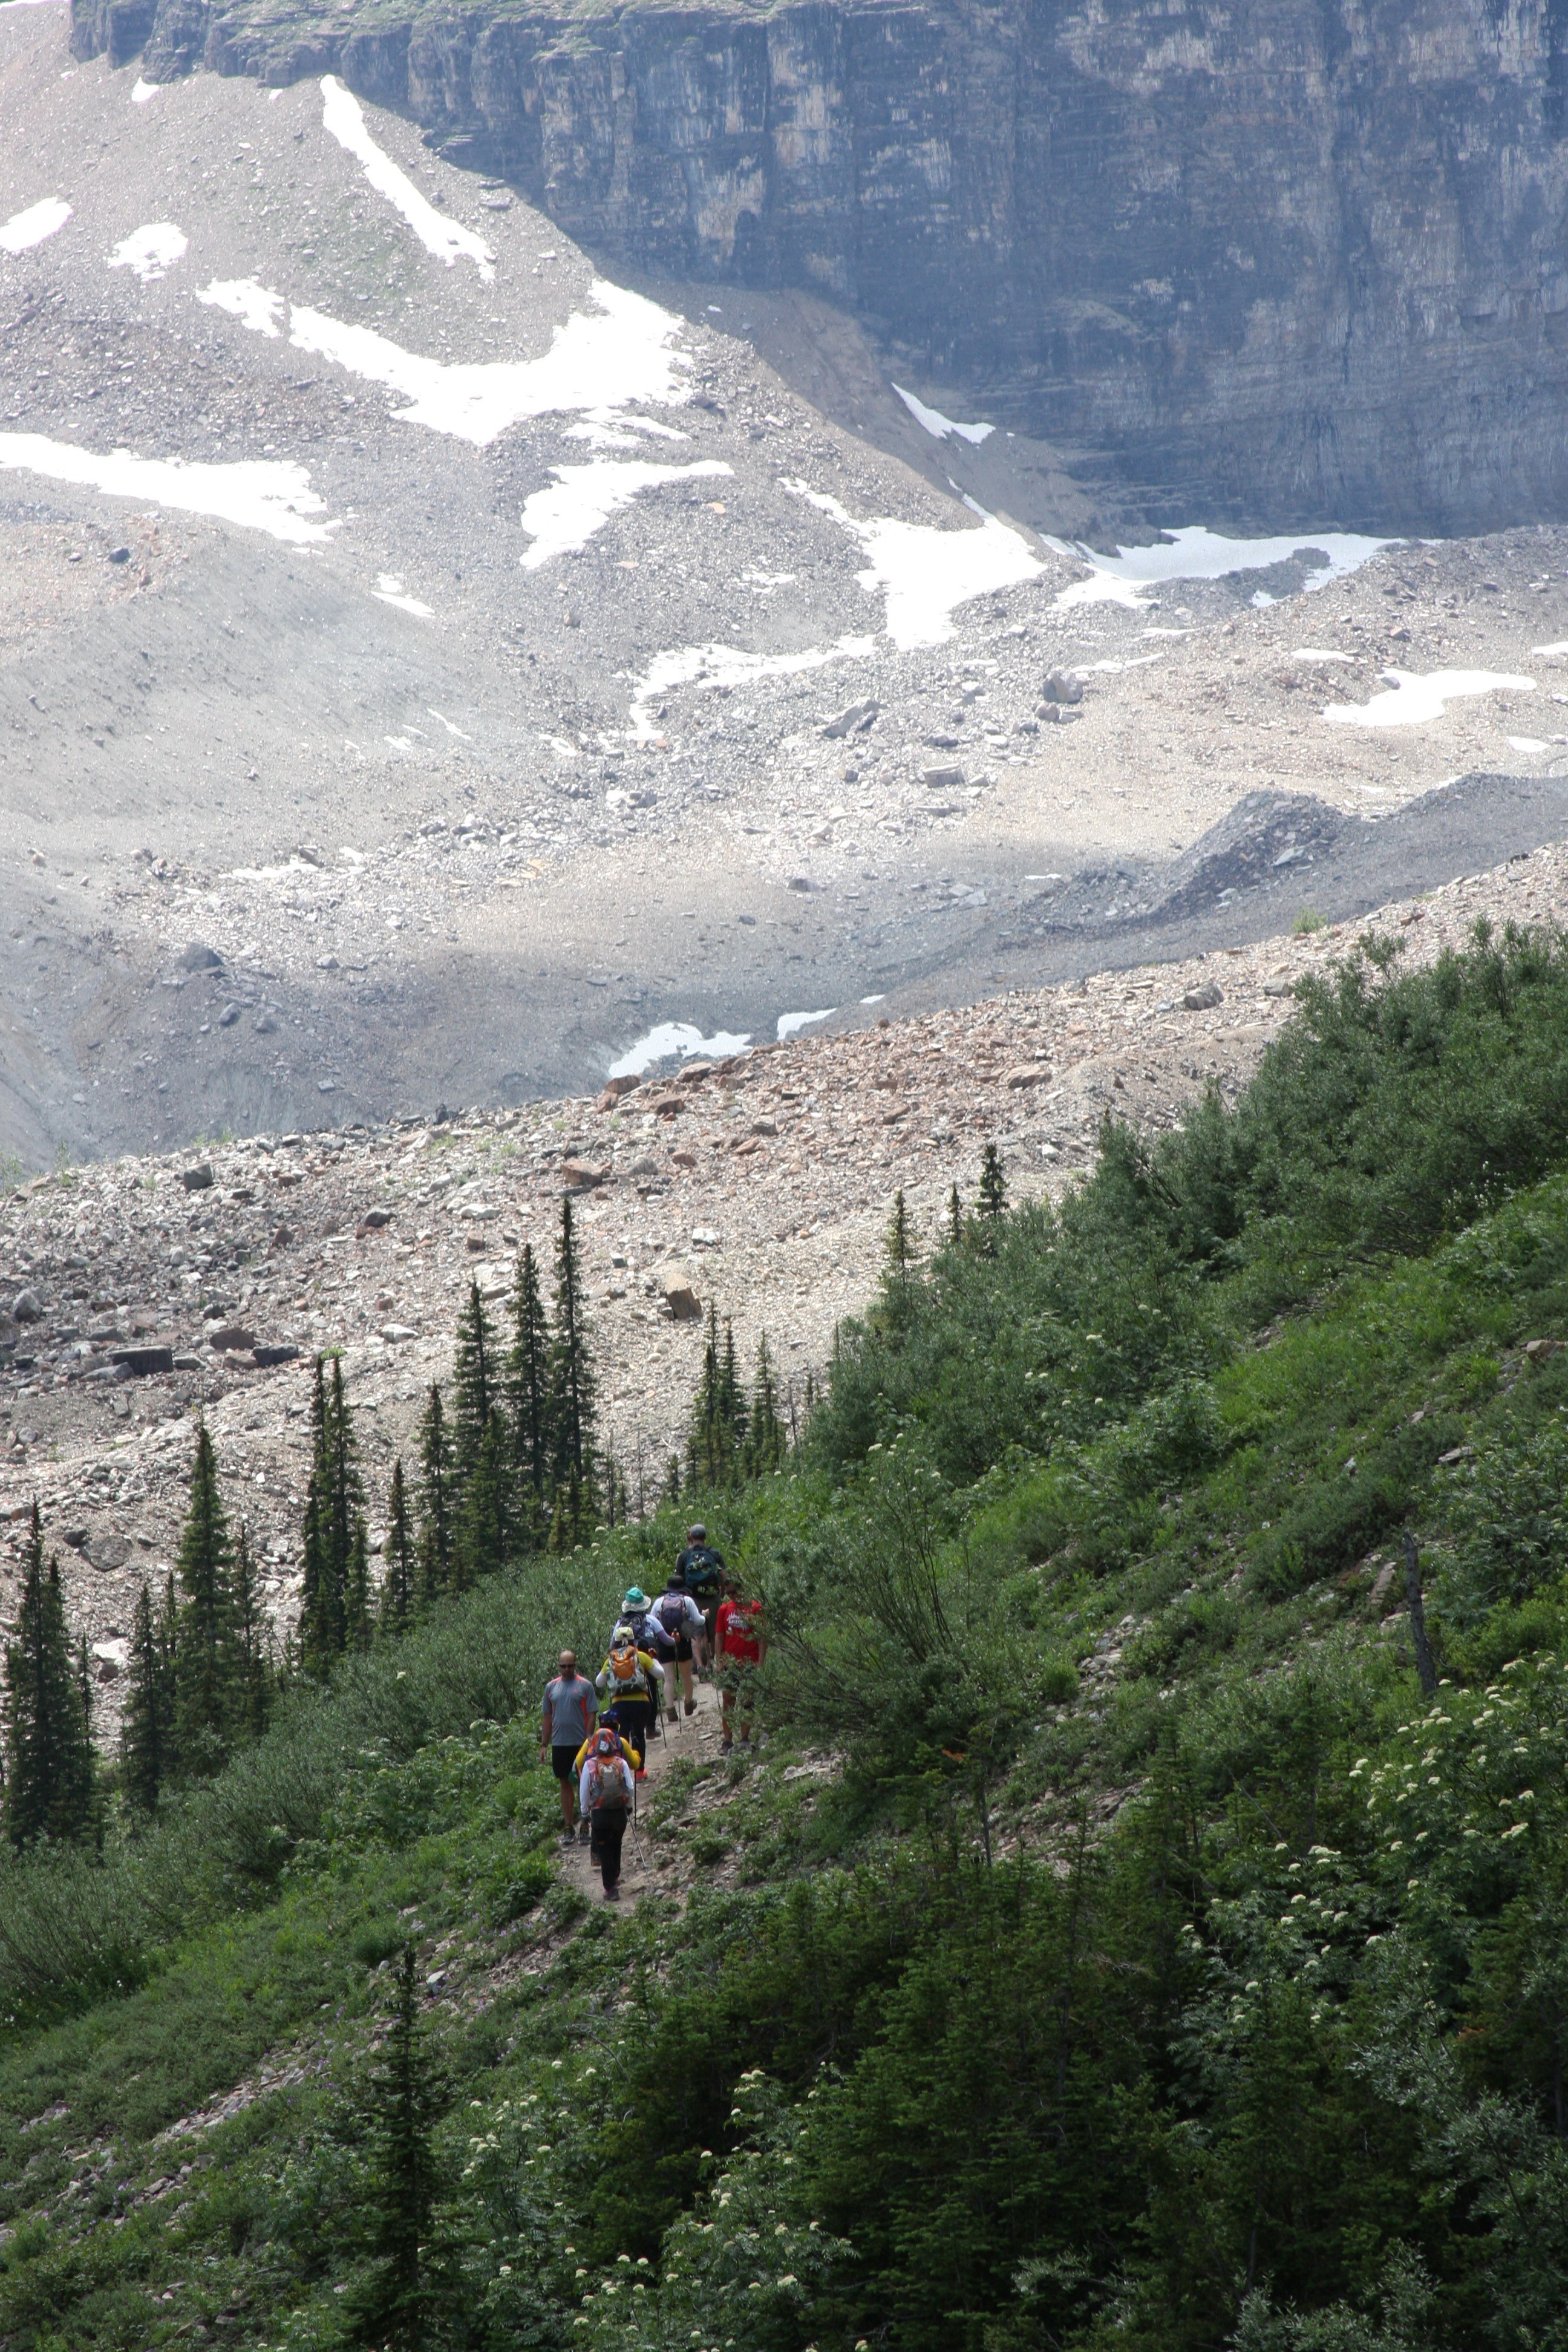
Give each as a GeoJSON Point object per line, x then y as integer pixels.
{"type": "Point", "coordinates": [1160, 1962]}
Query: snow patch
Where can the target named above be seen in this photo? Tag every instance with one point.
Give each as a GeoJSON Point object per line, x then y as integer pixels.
{"type": "Point", "coordinates": [717, 665]}
{"type": "Point", "coordinates": [144, 90]}
{"type": "Point", "coordinates": [791, 1024]}
{"type": "Point", "coordinates": [1197, 554]}
{"type": "Point", "coordinates": [937, 425]}
{"type": "Point", "coordinates": [266, 494]}
{"type": "Point", "coordinates": [150, 250]}
{"type": "Point", "coordinates": [927, 572]}
{"type": "Point", "coordinates": [594, 366]}
{"type": "Point", "coordinates": [582, 498]}
{"type": "Point", "coordinates": [671, 1037]}
{"type": "Point", "coordinates": [1315, 654]}
{"type": "Point", "coordinates": [31, 227]}
{"type": "Point", "coordinates": [389, 590]}
{"type": "Point", "coordinates": [446, 239]}
{"type": "Point", "coordinates": [253, 306]}
{"type": "Point", "coordinates": [1412, 701]}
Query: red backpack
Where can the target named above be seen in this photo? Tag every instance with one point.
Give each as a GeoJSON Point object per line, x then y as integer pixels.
{"type": "Point", "coordinates": [606, 1787]}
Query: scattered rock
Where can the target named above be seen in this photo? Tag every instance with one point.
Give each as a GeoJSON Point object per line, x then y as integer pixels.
{"type": "Point", "coordinates": [765, 1127]}
{"type": "Point", "coordinates": [144, 1363]}
{"type": "Point", "coordinates": [705, 1237]}
{"type": "Point", "coordinates": [282, 1237]}
{"type": "Point", "coordinates": [667, 1105]}
{"type": "Point", "coordinates": [373, 1220]}
{"type": "Point", "coordinates": [231, 1337]}
{"type": "Point", "coordinates": [1540, 1352]}
{"type": "Point", "coordinates": [679, 1295]}
{"type": "Point", "coordinates": [198, 1179]}
{"type": "Point", "coordinates": [626, 1084]}
{"type": "Point", "coordinates": [1203, 999]}
{"type": "Point", "coordinates": [27, 1307]}
{"type": "Point", "coordinates": [853, 721]}
{"type": "Point", "coordinates": [200, 958]}
{"type": "Point", "coordinates": [267, 1356]}
{"type": "Point", "coordinates": [1061, 688]}
{"type": "Point", "coordinates": [581, 1175]}
{"type": "Point", "coordinates": [1027, 1074]}
{"type": "Point", "coordinates": [120, 555]}
{"type": "Point", "coordinates": [108, 1551]}
{"type": "Point", "coordinates": [645, 1167]}
{"type": "Point", "coordinates": [941, 779]}
{"type": "Point", "coordinates": [684, 1159]}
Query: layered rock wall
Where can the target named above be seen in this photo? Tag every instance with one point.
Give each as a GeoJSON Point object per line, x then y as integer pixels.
{"type": "Point", "coordinates": [1292, 259]}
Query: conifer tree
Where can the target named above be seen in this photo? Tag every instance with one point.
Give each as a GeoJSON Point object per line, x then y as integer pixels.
{"type": "Point", "coordinates": [766, 1442]}
{"type": "Point", "coordinates": [356, 1589]}
{"type": "Point", "coordinates": [482, 1539]}
{"type": "Point", "coordinates": [333, 1506]}
{"type": "Point", "coordinates": [253, 1673]}
{"type": "Point", "coordinates": [672, 1479]}
{"type": "Point", "coordinates": [993, 1184]}
{"type": "Point", "coordinates": [732, 1393]}
{"type": "Point", "coordinates": [147, 1725]}
{"type": "Point", "coordinates": [435, 1513]}
{"type": "Point", "coordinates": [397, 1588]}
{"type": "Point", "coordinates": [205, 1692]}
{"type": "Point", "coordinates": [476, 1388]}
{"type": "Point", "coordinates": [49, 1755]}
{"type": "Point", "coordinates": [709, 1450]}
{"type": "Point", "coordinates": [954, 1218]}
{"type": "Point", "coordinates": [398, 2309]}
{"type": "Point", "coordinates": [571, 1372]}
{"type": "Point", "coordinates": [899, 1248]}
{"type": "Point", "coordinates": [528, 1402]}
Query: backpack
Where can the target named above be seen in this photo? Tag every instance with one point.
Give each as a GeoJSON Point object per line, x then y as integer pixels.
{"type": "Point", "coordinates": [625, 1669]}
{"type": "Point", "coordinates": [649, 1632]}
{"type": "Point", "coordinates": [671, 1612]}
{"type": "Point", "coordinates": [606, 1790]}
{"type": "Point", "coordinates": [703, 1568]}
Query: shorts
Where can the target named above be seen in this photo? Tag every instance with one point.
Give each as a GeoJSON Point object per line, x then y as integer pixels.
{"type": "Point", "coordinates": [563, 1761]}
{"type": "Point", "coordinates": [682, 1650]}
{"type": "Point", "coordinates": [738, 1678]}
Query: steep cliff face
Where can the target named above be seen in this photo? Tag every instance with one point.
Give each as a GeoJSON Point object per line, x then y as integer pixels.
{"type": "Point", "coordinates": [1296, 258]}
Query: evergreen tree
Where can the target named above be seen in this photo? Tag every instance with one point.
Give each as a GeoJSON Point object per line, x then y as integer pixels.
{"type": "Point", "coordinates": [398, 2308]}
{"type": "Point", "coordinates": [899, 1248]}
{"type": "Point", "coordinates": [993, 1184]}
{"type": "Point", "coordinates": [334, 1505]}
{"type": "Point", "coordinates": [205, 1692]}
{"type": "Point", "coordinates": [49, 1755]}
{"type": "Point", "coordinates": [710, 1449]}
{"type": "Point", "coordinates": [147, 1725]}
{"type": "Point", "coordinates": [397, 1587]}
{"type": "Point", "coordinates": [252, 1675]}
{"type": "Point", "coordinates": [672, 1479]}
{"type": "Point", "coordinates": [483, 1534]}
{"type": "Point", "coordinates": [954, 1218]}
{"type": "Point", "coordinates": [571, 1372]}
{"type": "Point", "coordinates": [528, 1402]}
{"type": "Point", "coordinates": [476, 1388]}
{"type": "Point", "coordinates": [356, 1589]}
{"type": "Point", "coordinates": [732, 1392]}
{"type": "Point", "coordinates": [435, 1513]}
{"type": "Point", "coordinates": [766, 1441]}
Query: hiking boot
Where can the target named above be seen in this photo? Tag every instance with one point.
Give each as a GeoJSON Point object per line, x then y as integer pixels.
{"type": "Point", "coordinates": [672, 1715]}
{"type": "Point", "coordinates": [568, 1837]}
{"type": "Point", "coordinates": [583, 1834]}
{"type": "Point", "coordinates": [691, 1707]}
{"type": "Point", "coordinates": [613, 1894]}
{"type": "Point", "coordinates": [725, 1745]}
{"type": "Point", "coordinates": [642, 1776]}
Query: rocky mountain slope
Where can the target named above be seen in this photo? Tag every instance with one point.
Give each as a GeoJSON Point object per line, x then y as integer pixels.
{"type": "Point", "coordinates": [139, 1293]}
{"type": "Point", "coordinates": [1291, 261]}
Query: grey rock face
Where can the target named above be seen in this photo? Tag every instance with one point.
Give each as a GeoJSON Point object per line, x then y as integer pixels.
{"type": "Point", "coordinates": [1303, 259]}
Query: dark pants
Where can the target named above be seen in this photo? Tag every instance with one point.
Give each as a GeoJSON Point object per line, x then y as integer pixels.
{"type": "Point", "coordinates": [606, 1830]}
{"type": "Point", "coordinates": [633, 1719]}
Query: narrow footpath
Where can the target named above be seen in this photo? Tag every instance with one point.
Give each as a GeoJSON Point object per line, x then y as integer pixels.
{"type": "Point", "coordinates": [642, 1871]}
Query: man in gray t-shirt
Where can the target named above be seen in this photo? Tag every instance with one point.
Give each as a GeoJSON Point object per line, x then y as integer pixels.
{"type": "Point", "coordinates": [571, 1709]}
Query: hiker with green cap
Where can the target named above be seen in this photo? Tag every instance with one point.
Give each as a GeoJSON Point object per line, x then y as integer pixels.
{"type": "Point", "coordinates": [638, 1612]}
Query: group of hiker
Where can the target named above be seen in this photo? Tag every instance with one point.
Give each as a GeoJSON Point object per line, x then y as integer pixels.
{"type": "Point", "coordinates": [594, 1734]}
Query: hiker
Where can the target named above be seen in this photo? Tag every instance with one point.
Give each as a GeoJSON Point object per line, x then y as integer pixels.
{"type": "Point", "coordinates": [741, 1646]}
{"type": "Point", "coordinates": [703, 1569]}
{"type": "Point", "coordinates": [682, 1620]}
{"type": "Point", "coordinates": [571, 1707]}
{"type": "Point", "coordinates": [632, 1685]}
{"type": "Point", "coordinates": [606, 1793]}
{"type": "Point", "coordinates": [648, 1633]}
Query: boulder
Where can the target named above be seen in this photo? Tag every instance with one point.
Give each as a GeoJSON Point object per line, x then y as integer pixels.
{"type": "Point", "coordinates": [666, 1106]}
{"type": "Point", "coordinates": [108, 1551]}
{"type": "Point", "coordinates": [146, 1362]}
{"type": "Point", "coordinates": [1061, 687]}
{"type": "Point", "coordinates": [267, 1356]}
{"type": "Point", "coordinates": [627, 1083]}
{"type": "Point", "coordinates": [581, 1175]}
{"type": "Point", "coordinates": [231, 1336]}
{"type": "Point", "coordinates": [197, 1180]}
{"type": "Point", "coordinates": [1203, 999]}
{"type": "Point", "coordinates": [941, 779]}
{"type": "Point", "coordinates": [853, 721]}
{"type": "Point", "coordinates": [1027, 1074]}
{"type": "Point", "coordinates": [200, 958]}
{"type": "Point", "coordinates": [27, 1307]}
{"type": "Point", "coordinates": [679, 1295]}
{"type": "Point", "coordinates": [645, 1167]}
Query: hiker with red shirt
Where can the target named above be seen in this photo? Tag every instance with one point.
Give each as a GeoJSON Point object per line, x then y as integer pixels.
{"type": "Point", "coordinates": [740, 1646]}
